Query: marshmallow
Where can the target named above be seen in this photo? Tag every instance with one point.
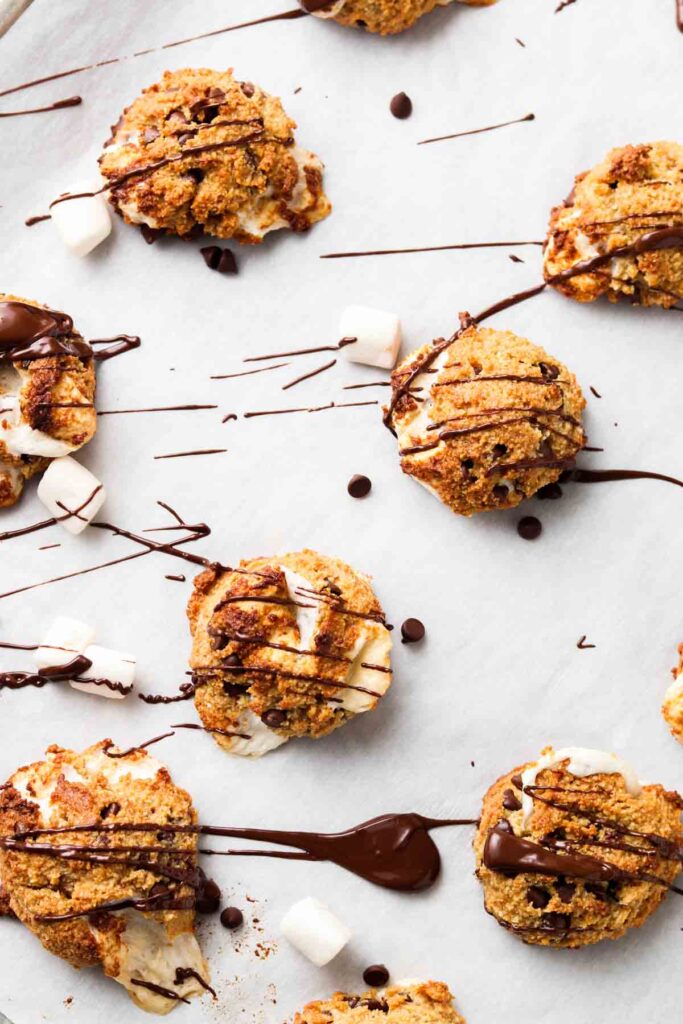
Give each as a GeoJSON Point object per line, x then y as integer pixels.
{"type": "Point", "coordinates": [82, 223]}
{"type": "Point", "coordinates": [64, 640]}
{"type": "Point", "coordinates": [315, 931]}
{"type": "Point", "coordinates": [582, 763]}
{"type": "Point", "coordinates": [21, 439]}
{"type": "Point", "coordinates": [261, 739]}
{"type": "Point", "coordinates": [332, 10]}
{"type": "Point", "coordinates": [114, 666]}
{"type": "Point", "coordinates": [67, 486]}
{"type": "Point", "coordinates": [377, 334]}
{"type": "Point", "coordinates": [306, 617]}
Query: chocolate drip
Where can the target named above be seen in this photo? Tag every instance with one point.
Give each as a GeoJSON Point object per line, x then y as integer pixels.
{"type": "Point", "coordinates": [507, 853]}
{"type": "Point", "coordinates": [30, 221]}
{"type": "Point", "coordinates": [116, 346]}
{"type": "Point", "coordinates": [599, 476]}
{"type": "Point", "coordinates": [301, 352]}
{"type": "Point", "coordinates": [74, 668]}
{"type": "Point", "coordinates": [428, 248]}
{"type": "Point", "coordinates": [284, 16]}
{"type": "Point", "coordinates": [156, 902]}
{"type": "Point", "coordinates": [71, 101]}
{"type": "Point", "coordinates": [479, 131]}
{"type": "Point", "coordinates": [319, 408]}
{"type": "Point", "coordinates": [394, 851]}
{"type": "Point", "coordinates": [307, 376]}
{"type": "Point", "coordinates": [185, 973]}
{"type": "Point", "coordinates": [651, 241]}
{"type": "Point", "coordinates": [132, 750]}
{"type": "Point", "coordinates": [199, 451]}
{"type": "Point", "coordinates": [167, 993]}
{"type": "Point", "coordinates": [20, 647]}
{"type": "Point", "coordinates": [157, 408]}
{"type": "Point", "coordinates": [30, 332]}
{"type": "Point", "coordinates": [299, 678]}
{"type": "Point", "coordinates": [247, 373]}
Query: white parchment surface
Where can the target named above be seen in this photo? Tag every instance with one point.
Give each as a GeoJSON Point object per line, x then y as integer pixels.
{"type": "Point", "coordinates": [499, 674]}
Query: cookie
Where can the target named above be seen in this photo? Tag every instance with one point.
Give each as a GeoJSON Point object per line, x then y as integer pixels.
{"type": "Point", "coordinates": [89, 911]}
{"type": "Point", "coordinates": [47, 391]}
{"type": "Point", "coordinates": [201, 152]}
{"type": "Point", "coordinates": [619, 232]}
{"type": "Point", "coordinates": [485, 420]}
{"type": "Point", "coordinates": [285, 647]}
{"type": "Point", "coordinates": [572, 849]}
{"type": "Point", "coordinates": [384, 16]}
{"type": "Point", "coordinates": [672, 708]}
{"type": "Point", "coordinates": [414, 1002]}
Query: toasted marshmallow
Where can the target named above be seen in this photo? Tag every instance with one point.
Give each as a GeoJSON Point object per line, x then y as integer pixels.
{"type": "Point", "coordinates": [261, 739]}
{"type": "Point", "coordinates": [65, 639]}
{"type": "Point", "coordinates": [582, 763]}
{"type": "Point", "coordinates": [82, 223]}
{"type": "Point", "coordinates": [307, 610]}
{"type": "Point", "coordinates": [21, 439]}
{"type": "Point", "coordinates": [672, 708]}
{"type": "Point", "coordinates": [113, 666]}
{"type": "Point", "coordinates": [68, 487]}
{"type": "Point", "coordinates": [377, 336]}
{"type": "Point", "coordinates": [315, 931]}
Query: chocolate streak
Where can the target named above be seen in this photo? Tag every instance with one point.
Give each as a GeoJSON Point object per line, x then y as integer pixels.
{"type": "Point", "coordinates": [479, 131]}
{"type": "Point", "coordinates": [71, 101]}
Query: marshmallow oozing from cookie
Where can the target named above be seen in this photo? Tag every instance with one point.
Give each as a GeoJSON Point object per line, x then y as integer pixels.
{"type": "Point", "coordinates": [67, 903]}
{"type": "Point", "coordinates": [285, 647]}
{"type": "Point", "coordinates": [216, 156]}
{"type": "Point", "coordinates": [485, 420]}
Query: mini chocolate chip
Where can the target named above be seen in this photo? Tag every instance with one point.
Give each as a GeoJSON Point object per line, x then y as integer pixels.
{"type": "Point", "coordinates": [248, 88]}
{"type": "Point", "coordinates": [500, 449]}
{"type": "Point", "coordinates": [549, 370]}
{"type": "Point", "coordinates": [565, 890]}
{"type": "Point", "coordinates": [196, 174]}
{"type": "Point", "coordinates": [233, 661]}
{"type": "Point", "coordinates": [359, 486]}
{"type": "Point", "coordinates": [538, 897]}
{"type": "Point", "coordinates": [211, 255]}
{"type": "Point", "coordinates": [222, 260]}
{"type": "Point", "coordinates": [613, 184]}
{"type": "Point", "coordinates": [149, 234]}
{"type": "Point", "coordinates": [219, 641]}
{"type": "Point", "coordinates": [232, 918]}
{"type": "Point", "coordinates": [273, 718]}
{"type": "Point", "coordinates": [376, 1004]}
{"type": "Point", "coordinates": [376, 976]}
{"type": "Point", "coordinates": [529, 528]}
{"type": "Point", "coordinates": [401, 106]}
{"type": "Point", "coordinates": [233, 690]}
{"type": "Point", "coordinates": [412, 631]}
{"type": "Point", "coordinates": [510, 801]}
{"type": "Point", "coordinates": [150, 134]}
{"type": "Point", "coordinates": [516, 781]}
{"type": "Point", "coordinates": [550, 492]}
{"type": "Point", "coordinates": [500, 491]}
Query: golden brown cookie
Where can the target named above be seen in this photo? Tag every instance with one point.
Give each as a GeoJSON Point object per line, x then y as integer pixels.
{"type": "Point", "coordinates": [572, 849]}
{"type": "Point", "coordinates": [672, 708]}
{"type": "Point", "coordinates": [384, 16]}
{"type": "Point", "coordinates": [614, 209]}
{"type": "Point", "coordinates": [485, 420]}
{"type": "Point", "coordinates": [414, 1002]}
{"type": "Point", "coordinates": [216, 156]}
{"type": "Point", "coordinates": [98, 904]}
{"type": "Point", "coordinates": [47, 391]}
{"type": "Point", "coordinates": [284, 647]}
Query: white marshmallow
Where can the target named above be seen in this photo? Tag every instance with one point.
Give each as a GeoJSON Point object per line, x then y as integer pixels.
{"type": "Point", "coordinates": [115, 666]}
{"type": "Point", "coordinates": [582, 763]}
{"type": "Point", "coordinates": [65, 639]}
{"type": "Point", "coordinates": [306, 617]}
{"type": "Point", "coordinates": [315, 931]}
{"type": "Point", "coordinates": [21, 439]}
{"type": "Point", "coordinates": [69, 484]}
{"type": "Point", "coordinates": [261, 739]}
{"type": "Point", "coordinates": [377, 334]}
{"type": "Point", "coordinates": [82, 223]}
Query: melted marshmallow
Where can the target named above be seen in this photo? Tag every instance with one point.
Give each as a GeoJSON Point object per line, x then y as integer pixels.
{"type": "Point", "coordinates": [582, 763]}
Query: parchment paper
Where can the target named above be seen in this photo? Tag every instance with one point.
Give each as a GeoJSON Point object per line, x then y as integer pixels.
{"type": "Point", "coordinates": [499, 674]}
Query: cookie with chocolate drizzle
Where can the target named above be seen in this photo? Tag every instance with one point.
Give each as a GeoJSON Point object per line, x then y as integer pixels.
{"type": "Point", "coordinates": [285, 647]}
{"type": "Point", "coordinates": [485, 419]}
{"type": "Point", "coordinates": [619, 233]}
{"type": "Point", "coordinates": [47, 391]}
{"type": "Point", "coordinates": [572, 849]}
{"type": "Point", "coordinates": [201, 152]}
{"type": "Point", "coordinates": [413, 1002]}
{"type": "Point", "coordinates": [121, 900]}
{"type": "Point", "coordinates": [384, 16]}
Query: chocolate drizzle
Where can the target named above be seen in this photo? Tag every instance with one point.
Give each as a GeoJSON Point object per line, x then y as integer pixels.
{"type": "Point", "coordinates": [30, 332]}
{"type": "Point", "coordinates": [428, 248]}
{"type": "Point", "coordinates": [116, 346]}
{"type": "Point", "coordinates": [652, 241]}
{"type": "Point", "coordinates": [599, 476]}
{"type": "Point", "coordinates": [71, 101]}
{"type": "Point", "coordinates": [479, 131]}
{"type": "Point", "coordinates": [507, 853]}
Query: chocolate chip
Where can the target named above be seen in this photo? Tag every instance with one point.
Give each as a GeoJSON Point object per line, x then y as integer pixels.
{"type": "Point", "coordinates": [401, 106]}
{"type": "Point", "coordinates": [529, 528]}
{"type": "Point", "coordinates": [500, 491]}
{"type": "Point", "coordinates": [412, 631]}
{"type": "Point", "coordinates": [222, 260]}
{"type": "Point", "coordinates": [500, 449]}
{"type": "Point", "coordinates": [233, 690]}
{"type": "Point", "coordinates": [554, 922]}
{"type": "Point", "coordinates": [359, 486]}
{"type": "Point", "coordinates": [376, 1004]}
{"type": "Point", "coordinates": [549, 371]}
{"type": "Point", "coordinates": [176, 115]}
{"type": "Point", "coordinates": [516, 781]}
{"type": "Point", "coordinates": [233, 661]}
{"type": "Point", "coordinates": [248, 88]}
{"type": "Point", "coordinates": [565, 890]}
{"type": "Point", "coordinates": [273, 718]}
{"type": "Point", "coordinates": [376, 976]}
{"type": "Point", "coordinates": [208, 898]}
{"type": "Point", "coordinates": [196, 174]}
{"type": "Point", "coordinates": [112, 808]}
{"type": "Point", "coordinates": [551, 492]}
{"type": "Point", "coordinates": [150, 134]}
{"type": "Point", "coordinates": [538, 897]}
{"type": "Point", "coordinates": [510, 801]}
{"type": "Point", "coordinates": [149, 234]}
{"type": "Point", "coordinates": [232, 918]}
